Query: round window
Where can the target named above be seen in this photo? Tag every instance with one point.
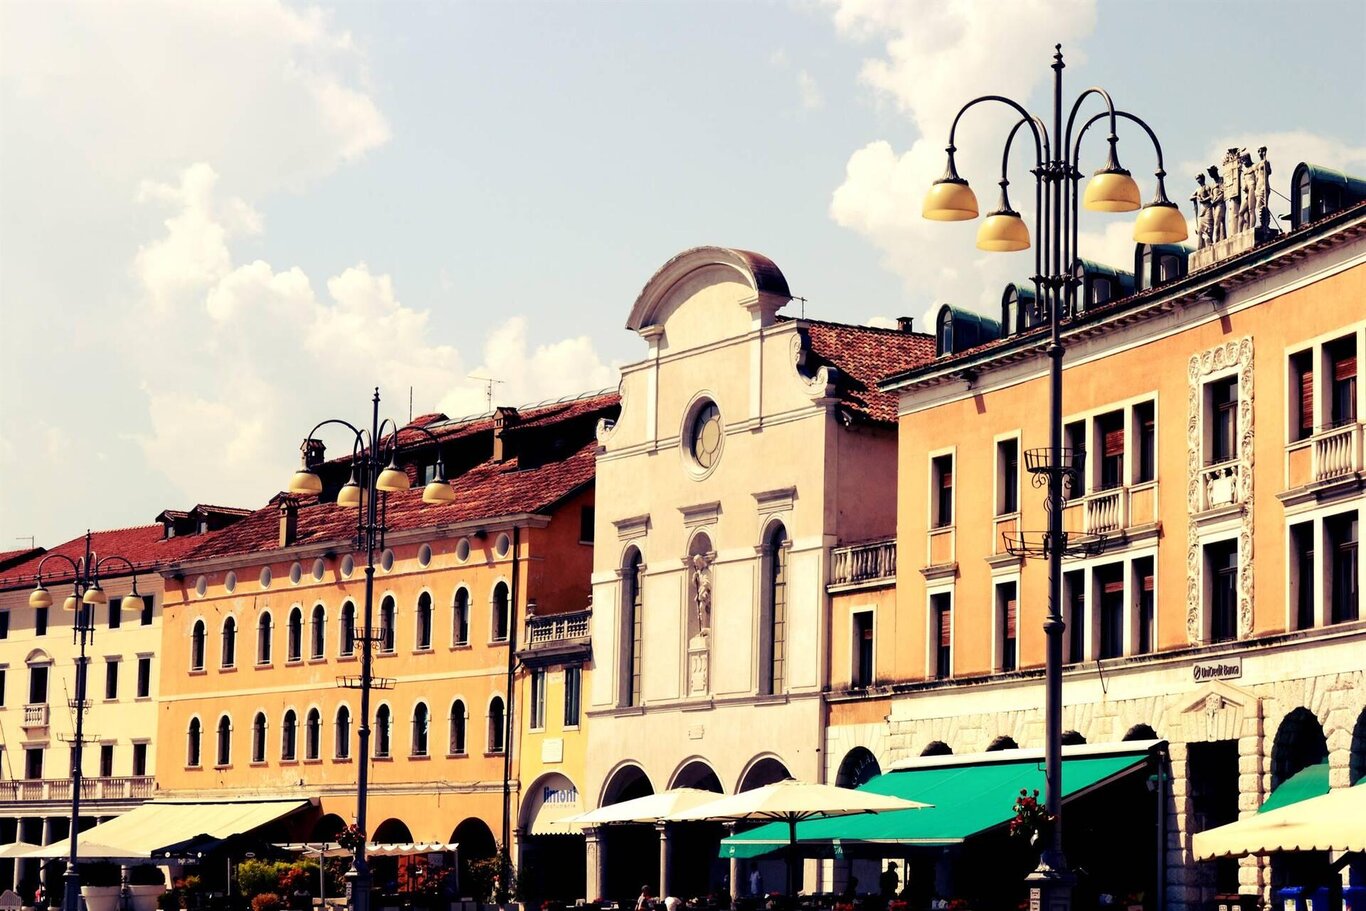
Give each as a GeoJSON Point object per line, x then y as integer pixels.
{"type": "Point", "coordinates": [424, 555]}
{"type": "Point", "coordinates": [462, 549]}
{"type": "Point", "coordinates": [704, 436]}
{"type": "Point", "coordinates": [266, 577]}
{"type": "Point", "coordinates": [201, 586]}
{"type": "Point", "coordinates": [230, 582]}
{"type": "Point", "coordinates": [502, 545]}
{"type": "Point", "coordinates": [348, 566]}
{"type": "Point", "coordinates": [386, 560]}
{"type": "Point", "coordinates": [296, 572]}
{"type": "Point", "coordinates": [319, 569]}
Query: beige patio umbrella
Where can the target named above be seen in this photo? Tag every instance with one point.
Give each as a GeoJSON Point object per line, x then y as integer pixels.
{"type": "Point", "coordinates": [648, 809]}
{"type": "Point", "coordinates": [1329, 822]}
{"type": "Point", "coordinates": [793, 801]}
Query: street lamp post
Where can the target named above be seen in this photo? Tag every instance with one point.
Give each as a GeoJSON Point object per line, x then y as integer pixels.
{"type": "Point", "coordinates": [86, 592]}
{"type": "Point", "coordinates": [374, 475]}
{"type": "Point", "coordinates": [1111, 189]}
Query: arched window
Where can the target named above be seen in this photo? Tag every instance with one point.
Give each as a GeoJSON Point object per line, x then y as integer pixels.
{"type": "Point", "coordinates": [229, 642]}
{"type": "Point", "coordinates": [224, 741]}
{"type": "Point", "coordinates": [773, 619]}
{"type": "Point", "coordinates": [347, 627]}
{"type": "Point", "coordinates": [460, 617]}
{"type": "Point", "coordinates": [289, 737]}
{"type": "Point", "coordinates": [258, 737]}
{"type": "Point", "coordinates": [295, 646]}
{"type": "Point", "coordinates": [319, 632]}
{"type": "Point", "coordinates": [943, 333]}
{"type": "Point", "coordinates": [496, 725]}
{"type": "Point", "coordinates": [420, 719]}
{"type": "Point", "coordinates": [500, 612]}
{"type": "Point", "coordinates": [197, 646]}
{"type": "Point", "coordinates": [424, 621]}
{"type": "Point", "coordinates": [342, 748]}
{"type": "Point", "coordinates": [458, 715]}
{"type": "Point", "coordinates": [192, 740]}
{"type": "Point", "coordinates": [263, 627]}
{"type": "Point", "coordinates": [386, 624]}
{"type": "Point", "coordinates": [383, 726]}
{"type": "Point", "coordinates": [632, 618]}
{"type": "Point", "coordinates": [313, 734]}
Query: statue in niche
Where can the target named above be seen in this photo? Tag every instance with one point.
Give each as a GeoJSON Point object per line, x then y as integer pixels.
{"type": "Point", "coordinates": [1203, 197]}
{"type": "Point", "coordinates": [1247, 213]}
{"type": "Point", "coordinates": [1261, 186]}
{"type": "Point", "coordinates": [701, 580]}
{"type": "Point", "coordinates": [1231, 171]}
{"type": "Point", "coordinates": [1217, 205]}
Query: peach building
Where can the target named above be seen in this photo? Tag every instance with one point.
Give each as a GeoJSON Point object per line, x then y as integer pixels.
{"type": "Point", "coordinates": [1215, 422]}
{"type": "Point", "coordinates": [261, 625]}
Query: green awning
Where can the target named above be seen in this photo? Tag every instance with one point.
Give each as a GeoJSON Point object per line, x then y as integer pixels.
{"type": "Point", "coordinates": [966, 798]}
{"type": "Point", "coordinates": [1311, 781]}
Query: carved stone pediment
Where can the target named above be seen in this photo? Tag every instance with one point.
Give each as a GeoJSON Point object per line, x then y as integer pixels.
{"type": "Point", "coordinates": [1213, 711]}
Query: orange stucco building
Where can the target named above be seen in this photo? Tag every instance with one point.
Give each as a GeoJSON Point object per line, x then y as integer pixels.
{"type": "Point", "coordinates": [1214, 417]}
{"type": "Point", "coordinates": [260, 626]}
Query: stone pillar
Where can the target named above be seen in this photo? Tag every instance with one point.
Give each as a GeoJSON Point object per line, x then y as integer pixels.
{"type": "Point", "coordinates": [734, 872]}
{"type": "Point", "coordinates": [663, 829]}
{"type": "Point", "coordinates": [42, 871]}
{"type": "Point", "coordinates": [593, 858]}
{"type": "Point", "coordinates": [18, 864]}
{"type": "Point", "coordinates": [1182, 890]}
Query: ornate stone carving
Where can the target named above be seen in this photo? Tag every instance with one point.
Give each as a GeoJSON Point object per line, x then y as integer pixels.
{"type": "Point", "coordinates": [820, 382]}
{"type": "Point", "coordinates": [701, 579]}
{"type": "Point", "coordinates": [1231, 211]}
{"type": "Point", "coordinates": [698, 665]}
{"type": "Point", "coordinates": [1235, 485]}
{"type": "Point", "coordinates": [607, 426]}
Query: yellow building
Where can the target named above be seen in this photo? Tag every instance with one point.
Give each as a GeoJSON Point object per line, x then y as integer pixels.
{"type": "Point", "coordinates": [1220, 417]}
{"type": "Point", "coordinates": [261, 626]}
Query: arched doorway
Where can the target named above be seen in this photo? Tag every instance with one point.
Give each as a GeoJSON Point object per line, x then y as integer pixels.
{"type": "Point", "coordinates": [1003, 742]}
{"type": "Point", "coordinates": [551, 857]}
{"type": "Point", "coordinates": [327, 828]}
{"type": "Point", "coordinates": [1141, 732]}
{"type": "Point", "coordinates": [858, 767]}
{"type": "Point", "coordinates": [477, 847]}
{"type": "Point", "coordinates": [631, 852]}
{"type": "Point", "coordinates": [937, 748]}
{"type": "Point", "coordinates": [763, 772]}
{"type": "Point", "coordinates": [392, 874]}
{"type": "Point", "coordinates": [695, 865]}
{"type": "Point", "coordinates": [1299, 747]}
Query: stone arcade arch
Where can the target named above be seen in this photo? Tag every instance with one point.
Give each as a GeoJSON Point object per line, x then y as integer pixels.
{"type": "Point", "coordinates": [1298, 745]}
{"type": "Point", "coordinates": [762, 771]}
{"type": "Point", "coordinates": [476, 843]}
{"type": "Point", "coordinates": [551, 858]}
{"type": "Point", "coordinates": [629, 852]}
{"type": "Point", "coordinates": [695, 865]}
{"type": "Point", "coordinates": [858, 767]}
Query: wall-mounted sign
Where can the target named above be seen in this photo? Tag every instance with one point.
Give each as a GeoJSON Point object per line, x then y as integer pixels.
{"type": "Point", "coordinates": [1222, 669]}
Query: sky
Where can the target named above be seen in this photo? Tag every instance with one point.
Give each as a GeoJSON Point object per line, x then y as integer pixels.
{"type": "Point", "coordinates": [221, 223]}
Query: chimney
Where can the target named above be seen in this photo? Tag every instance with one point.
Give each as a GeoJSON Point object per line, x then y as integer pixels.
{"type": "Point", "coordinates": [504, 418]}
{"type": "Point", "coordinates": [289, 521]}
{"type": "Point", "coordinates": [313, 452]}
{"type": "Point", "coordinates": [903, 323]}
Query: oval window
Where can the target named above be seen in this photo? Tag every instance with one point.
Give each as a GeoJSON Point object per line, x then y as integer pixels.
{"type": "Point", "coordinates": [296, 572]}
{"type": "Point", "coordinates": [424, 555]}
{"type": "Point", "coordinates": [348, 566]}
{"type": "Point", "coordinates": [319, 569]}
{"type": "Point", "coordinates": [462, 550]}
{"type": "Point", "coordinates": [387, 559]}
{"type": "Point", "coordinates": [266, 577]}
{"type": "Point", "coordinates": [201, 586]}
{"type": "Point", "coordinates": [502, 545]}
{"type": "Point", "coordinates": [230, 582]}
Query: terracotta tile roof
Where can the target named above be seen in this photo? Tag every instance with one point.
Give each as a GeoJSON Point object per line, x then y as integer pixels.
{"type": "Point", "coordinates": [486, 490]}
{"type": "Point", "coordinates": [10, 558]}
{"type": "Point", "coordinates": [864, 355]}
{"type": "Point", "coordinates": [145, 546]}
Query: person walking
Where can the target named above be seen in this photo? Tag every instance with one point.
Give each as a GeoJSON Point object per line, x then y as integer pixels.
{"type": "Point", "coordinates": [756, 881]}
{"type": "Point", "coordinates": [646, 902]}
{"type": "Point", "coordinates": [888, 882]}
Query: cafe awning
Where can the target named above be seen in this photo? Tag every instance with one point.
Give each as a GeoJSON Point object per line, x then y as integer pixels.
{"type": "Point", "coordinates": [146, 828]}
{"type": "Point", "coordinates": [1308, 782]}
{"type": "Point", "coordinates": [968, 795]}
{"type": "Point", "coordinates": [1328, 822]}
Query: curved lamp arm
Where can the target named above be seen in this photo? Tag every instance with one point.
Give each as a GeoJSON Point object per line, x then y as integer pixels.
{"type": "Point", "coordinates": [1040, 198]}
{"type": "Point", "coordinates": [1071, 119]}
{"type": "Point", "coordinates": [76, 566]}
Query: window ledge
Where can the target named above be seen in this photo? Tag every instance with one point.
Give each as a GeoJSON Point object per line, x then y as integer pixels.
{"type": "Point", "coordinates": [460, 646]}
{"type": "Point", "coordinates": [423, 650]}
{"type": "Point", "coordinates": [457, 755]}
{"type": "Point", "coordinates": [316, 761]}
{"type": "Point", "coordinates": [293, 662]}
{"type": "Point", "coordinates": [197, 672]}
{"type": "Point", "coordinates": [318, 659]}
{"type": "Point", "coordinates": [490, 753]}
{"type": "Point", "coordinates": [383, 759]}
{"type": "Point", "coordinates": [341, 759]}
{"type": "Point", "coordinates": [496, 642]}
{"type": "Point", "coordinates": [220, 768]}
{"type": "Point", "coordinates": [258, 764]}
{"type": "Point", "coordinates": [289, 762]}
{"type": "Point", "coordinates": [228, 669]}
{"type": "Point", "coordinates": [419, 757]}
{"type": "Point", "coordinates": [350, 657]}
{"type": "Point", "coordinates": [264, 665]}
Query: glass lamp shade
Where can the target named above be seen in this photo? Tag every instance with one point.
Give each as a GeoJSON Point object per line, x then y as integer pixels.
{"type": "Point", "coordinates": [131, 603]}
{"type": "Point", "coordinates": [438, 491]}
{"type": "Point", "coordinates": [71, 604]}
{"type": "Point", "coordinates": [392, 479]}
{"type": "Point", "coordinates": [95, 595]}
{"type": "Point", "coordinates": [950, 200]}
{"type": "Point", "coordinates": [1003, 232]}
{"type": "Point", "coordinates": [40, 597]}
{"type": "Point", "coordinates": [1160, 223]}
{"type": "Point", "coordinates": [306, 482]}
{"type": "Point", "coordinates": [351, 495]}
{"type": "Point", "coordinates": [1112, 191]}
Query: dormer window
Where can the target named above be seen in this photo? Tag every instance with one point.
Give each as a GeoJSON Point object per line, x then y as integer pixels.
{"type": "Point", "coordinates": [943, 334]}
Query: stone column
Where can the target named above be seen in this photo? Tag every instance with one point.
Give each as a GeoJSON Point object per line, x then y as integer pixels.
{"type": "Point", "coordinates": [734, 868]}
{"type": "Point", "coordinates": [663, 829]}
{"type": "Point", "coordinates": [593, 858]}
{"type": "Point", "coordinates": [42, 872]}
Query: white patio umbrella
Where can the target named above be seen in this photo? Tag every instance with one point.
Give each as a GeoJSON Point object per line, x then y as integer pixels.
{"type": "Point", "coordinates": [648, 809]}
{"type": "Point", "coordinates": [793, 801]}
{"type": "Point", "coordinates": [1329, 822]}
{"type": "Point", "coordinates": [18, 849]}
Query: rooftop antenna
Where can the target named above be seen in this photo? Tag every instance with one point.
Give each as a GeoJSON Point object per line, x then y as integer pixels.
{"type": "Point", "coordinates": [410, 404]}
{"type": "Point", "coordinates": [32, 541]}
{"type": "Point", "coordinates": [803, 300]}
{"type": "Point", "coordinates": [489, 382]}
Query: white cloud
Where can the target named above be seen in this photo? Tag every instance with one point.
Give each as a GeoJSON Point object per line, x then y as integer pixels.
{"type": "Point", "coordinates": [253, 356]}
{"type": "Point", "coordinates": [934, 57]}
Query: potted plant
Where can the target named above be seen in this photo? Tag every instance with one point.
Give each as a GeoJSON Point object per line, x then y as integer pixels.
{"type": "Point", "coordinates": [101, 883]}
{"type": "Point", "coordinates": [146, 884]}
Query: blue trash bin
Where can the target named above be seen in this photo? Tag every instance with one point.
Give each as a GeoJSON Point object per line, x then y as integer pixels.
{"type": "Point", "coordinates": [1292, 898]}
{"type": "Point", "coordinates": [1318, 900]}
{"type": "Point", "coordinates": [1354, 898]}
